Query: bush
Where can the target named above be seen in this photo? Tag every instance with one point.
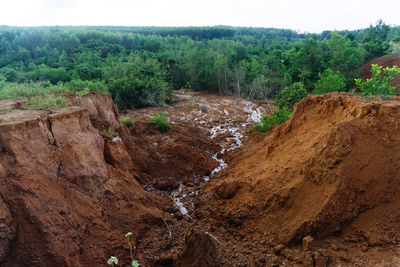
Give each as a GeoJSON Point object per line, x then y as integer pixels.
{"type": "Point", "coordinates": [289, 96]}
{"type": "Point", "coordinates": [380, 83]}
{"type": "Point", "coordinates": [160, 122]}
{"type": "Point", "coordinates": [266, 122]}
{"type": "Point", "coordinates": [131, 92]}
{"type": "Point", "coordinates": [329, 82]}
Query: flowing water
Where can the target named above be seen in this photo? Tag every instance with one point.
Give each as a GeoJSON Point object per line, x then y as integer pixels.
{"type": "Point", "coordinates": [249, 108]}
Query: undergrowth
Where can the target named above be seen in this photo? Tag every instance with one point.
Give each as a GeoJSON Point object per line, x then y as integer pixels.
{"type": "Point", "coordinates": [9, 90]}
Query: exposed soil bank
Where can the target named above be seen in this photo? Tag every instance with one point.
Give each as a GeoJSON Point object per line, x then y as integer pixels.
{"type": "Point", "coordinates": [69, 194]}
{"type": "Point", "coordinates": [331, 170]}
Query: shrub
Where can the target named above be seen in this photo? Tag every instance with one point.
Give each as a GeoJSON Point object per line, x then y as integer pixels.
{"type": "Point", "coordinates": [380, 83]}
{"type": "Point", "coordinates": [46, 102]}
{"type": "Point", "coordinates": [128, 121]}
{"type": "Point", "coordinates": [160, 121]}
{"type": "Point", "coordinates": [266, 122]}
{"type": "Point", "coordinates": [108, 133]}
{"type": "Point", "coordinates": [329, 82]}
{"type": "Point", "coordinates": [289, 96]}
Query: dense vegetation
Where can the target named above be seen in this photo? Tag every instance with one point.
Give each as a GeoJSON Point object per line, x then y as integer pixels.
{"type": "Point", "coordinates": [139, 66]}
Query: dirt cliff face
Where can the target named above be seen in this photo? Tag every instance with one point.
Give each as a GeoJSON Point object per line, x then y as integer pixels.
{"type": "Point", "coordinates": [63, 205]}
{"type": "Point", "coordinates": [102, 110]}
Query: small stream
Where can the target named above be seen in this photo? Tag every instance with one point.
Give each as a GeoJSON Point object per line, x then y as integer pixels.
{"type": "Point", "coordinates": [178, 194]}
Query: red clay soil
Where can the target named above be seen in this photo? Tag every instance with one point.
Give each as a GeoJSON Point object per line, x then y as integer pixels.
{"type": "Point", "coordinates": [320, 190]}
{"type": "Point", "coordinates": [165, 160]}
{"type": "Point", "coordinates": [331, 173]}
{"type": "Point", "coordinates": [69, 194]}
{"type": "Point", "coordinates": [384, 61]}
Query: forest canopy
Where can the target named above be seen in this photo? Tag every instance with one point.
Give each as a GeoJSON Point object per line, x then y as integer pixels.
{"type": "Point", "coordinates": [139, 66]}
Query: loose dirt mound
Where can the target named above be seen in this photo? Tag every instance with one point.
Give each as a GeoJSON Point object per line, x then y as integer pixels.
{"type": "Point", "coordinates": [332, 169]}
{"type": "Point", "coordinates": [385, 61]}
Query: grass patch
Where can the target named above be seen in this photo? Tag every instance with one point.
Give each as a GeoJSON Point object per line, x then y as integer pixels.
{"type": "Point", "coordinates": [10, 90]}
{"type": "Point", "coordinates": [47, 102]}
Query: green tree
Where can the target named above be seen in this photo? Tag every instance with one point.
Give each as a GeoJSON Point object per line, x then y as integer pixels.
{"type": "Point", "coordinates": [289, 96]}
{"type": "Point", "coordinates": [375, 41]}
{"type": "Point", "coordinates": [330, 81]}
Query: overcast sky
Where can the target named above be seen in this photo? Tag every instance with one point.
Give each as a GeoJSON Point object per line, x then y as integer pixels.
{"type": "Point", "coordinates": [300, 15]}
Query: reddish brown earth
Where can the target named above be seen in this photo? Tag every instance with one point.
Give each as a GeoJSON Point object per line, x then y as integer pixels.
{"type": "Point", "coordinates": [69, 194]}
{"type": "Point", "coordinates": [331, 172]}
{"type": "Point", "coordinates": [319, 190]}
{"type": "Point", "coordinates": [384, 61]}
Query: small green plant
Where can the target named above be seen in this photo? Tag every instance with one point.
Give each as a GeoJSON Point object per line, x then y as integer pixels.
{"type": "Point", "coordinates": [266, 122]}
{"type": "Point", "coordinates": [160, 121]}
{"type": "Point", "coordinates": [380, 83]}
{"type": "Point", "coordinates": [290, 95]}
{"type": "Point", "coordinates": [191, 104]}
{"type": "Point", "coordinates": [82, 93]}
{"type": "Point", "coordinates": [47, 102]}
{"type": "Point", "coordinates": [135, 263]}
{"type": "Point", "coordinates": [112, 261]}
{"type": "Point", "coordinates": [128, 121]}
{"type": "Point", "coordinates": [108, 133]}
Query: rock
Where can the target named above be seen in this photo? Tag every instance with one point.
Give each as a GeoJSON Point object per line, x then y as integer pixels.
{"type": "Point", "coordinates": [278, 249]}
{"type": "Point", "coordinates": [200, 250]}
{"type": "Point", "coordinates": [166, 184]}
{"type": "Point", "coordinates": [307, 242]}
{"type": "Point", "coordinates": [227, 190]}
{"type": "Point", "coordinates": [116, 155]}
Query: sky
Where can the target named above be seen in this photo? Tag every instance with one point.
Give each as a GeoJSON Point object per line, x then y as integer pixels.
{"type": "Point", "coordinates": [300, 15]}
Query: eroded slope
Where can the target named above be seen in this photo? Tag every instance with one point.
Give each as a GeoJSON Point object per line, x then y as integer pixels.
{"type": "Point", "coordinates": [332, 169]}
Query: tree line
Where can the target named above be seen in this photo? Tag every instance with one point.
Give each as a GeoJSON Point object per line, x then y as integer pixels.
{"type": "Point", "coordinates": [139, 66]}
